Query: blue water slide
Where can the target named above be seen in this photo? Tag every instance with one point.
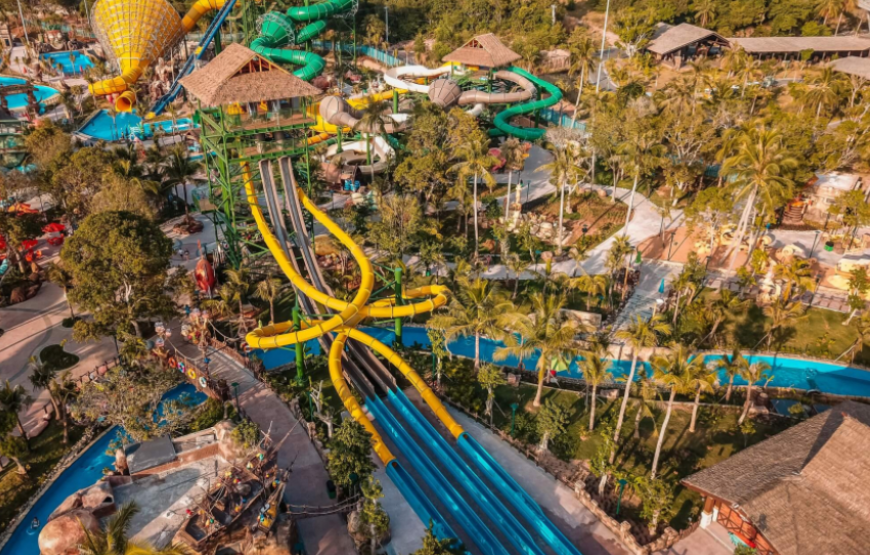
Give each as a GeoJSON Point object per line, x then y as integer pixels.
{"type": "Point", "coordinates": [518, 497]}
{"type": "Point", "coordinates": [491, 504]}
{"type": "Point", "coordinates": [458, 507]}
{"type": "Point", "coordinates": [418, 501]}
{"type": "Point", "coordinates": [189, 64]}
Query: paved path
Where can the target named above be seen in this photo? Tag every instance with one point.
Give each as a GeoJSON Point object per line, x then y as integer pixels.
{"type": "Point", "coordinates": [710, 541]}
{"type": "Point", "coordinates": [643, 299]}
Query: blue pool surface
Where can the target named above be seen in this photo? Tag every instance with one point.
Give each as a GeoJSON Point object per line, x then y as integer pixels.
{"type": "Point", "coordinates": [18, 101]}
{"type": "Point", "coordinates": [126, 124]}
{"type": "Point", "coordinates": [84, 472]}
{"type": "Point", "coordinates": [787, 372]}
{"type": "Point", "coordinates": [72, 62]}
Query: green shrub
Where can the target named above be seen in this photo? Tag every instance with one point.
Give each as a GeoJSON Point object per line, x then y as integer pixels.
{"type": "Point", "coordinates": [55, 357]}
{"type": "Point", "coordinates": [247, 434]}
{"type": "Point", "coordinates": [209, 414]}
{"type": "Point", "coordinates": [69, 321]}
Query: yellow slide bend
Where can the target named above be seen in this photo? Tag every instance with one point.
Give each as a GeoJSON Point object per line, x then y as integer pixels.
{"type": "Point", "coordinates": [343, 323]}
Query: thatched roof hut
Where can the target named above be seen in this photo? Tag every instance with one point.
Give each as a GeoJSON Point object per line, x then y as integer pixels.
{"type": "Point", "coordinates": [483, 51]}
{"type": "Point", "coordinates": [239, 75]}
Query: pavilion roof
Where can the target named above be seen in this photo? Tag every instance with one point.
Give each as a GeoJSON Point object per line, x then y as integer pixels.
{"type": "Point", "coordinates": [483, 50]}
{"type": "Point", "coordinates": [680, 36]}
{"type": "Point", "coordinates": [795, 45]}
{"type": "Point", "coordinates": [238, 74]}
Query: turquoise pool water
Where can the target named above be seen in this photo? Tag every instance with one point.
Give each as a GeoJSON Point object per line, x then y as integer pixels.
{"type": "Point", "coordinates": [72, 62]}
{"type": "Point", "coordinates": [87, 469]}
{"type": "Point", "coordinates": [787, 372]}
{"type": "Point", "coordinates": [126, 125]}
{"type": "Point", "coordinates": [18, 101]}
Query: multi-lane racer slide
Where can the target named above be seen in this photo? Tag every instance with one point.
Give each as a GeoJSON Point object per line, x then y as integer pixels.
{"type": "Point", "coordinates": [430, 457]}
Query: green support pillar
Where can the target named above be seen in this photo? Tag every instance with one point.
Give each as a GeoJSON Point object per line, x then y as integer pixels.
{"type": "Point", "coordinates": [395, 101]}
{"type": "Point", "coordinates": [398, 289]}
{"type": "Point", "coordinates": [338, 149]}
{"type": "Point", "coordinates": [217, 43]}
{"type": "Point", "coordinates": [300, 348]}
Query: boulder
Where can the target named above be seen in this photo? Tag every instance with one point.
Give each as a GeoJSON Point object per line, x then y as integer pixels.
{"type": "Point", "coordinates": [63, 535]}
{"type": "Point", "coordinates": [72, 502]}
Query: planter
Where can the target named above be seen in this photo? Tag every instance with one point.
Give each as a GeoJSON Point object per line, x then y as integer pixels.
{"type": "Point", "coordinates": [829, 246]}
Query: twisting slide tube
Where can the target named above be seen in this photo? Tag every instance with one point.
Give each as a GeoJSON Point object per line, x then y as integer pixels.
{"type": "Point", "coordinates": [501, 121]}
{"type": "Point", "coordinates": [135, 33]}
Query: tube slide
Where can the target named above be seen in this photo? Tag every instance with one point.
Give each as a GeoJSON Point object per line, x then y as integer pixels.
{"type": "Point", "coordinates": [482, 97]}
{"type": "Point", "coordinates": [355, 151]}
{"type": "Point", "coordinates": [393, 77]}
{"type": "Point", "coordinates": [337, 111]}
{"type": "Point", "coordinates": [528, 134]}
{"type": "Point", "coordinates": [492, 505]}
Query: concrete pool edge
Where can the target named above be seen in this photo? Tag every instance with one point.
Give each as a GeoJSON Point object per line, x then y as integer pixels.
{"type": "Point", "coordinates": [77, 133]}
{"type": "Point", "coordinates": [56, 473]}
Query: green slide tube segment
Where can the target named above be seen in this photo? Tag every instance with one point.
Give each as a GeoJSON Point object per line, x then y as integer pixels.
{"type": "Point", "coordinates": [319, 11]}
{"type": "Point", "coordinates": [526, 133]}
{"type": "Point", "coordinates": [277, 32]}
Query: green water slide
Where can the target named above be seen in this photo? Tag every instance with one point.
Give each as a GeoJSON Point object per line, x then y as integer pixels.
{"type": "Point", "coordinates": [279, 30]}
{"type": "Point", "coordinates": [526, 133]}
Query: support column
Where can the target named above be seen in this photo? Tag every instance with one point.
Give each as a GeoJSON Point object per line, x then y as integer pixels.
{"type": "Point", "coordinates": [395, 101]}
{"type": "Point", "coordinates": [300, 348]}
{"type": "Point", "coordinates": [707, 514]}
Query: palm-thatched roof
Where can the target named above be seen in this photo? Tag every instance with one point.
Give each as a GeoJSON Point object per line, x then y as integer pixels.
{"type": "Point", "coordinates": [483, 50]}
{"type": "Point", "coordinates": [239, 74]}
{"type": "Point", "coordinates": [806, 490]}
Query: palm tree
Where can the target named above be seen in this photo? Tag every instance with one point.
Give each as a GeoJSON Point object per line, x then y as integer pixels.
{"type": "Point", "coordinates": [705, 11]}
{"type": "Point", "coordinates": [780, 313]}
{"type": "Point", "coordinates": [700, 379]}
{"type": "Point", "coordinates": [596, 371]}
{"type": "Point", "coordinates": [720, 308]}
{"type": "Point", "coordinates": [41, 377]}
{"type": "Point", "coordinates": [475, 161]}
{"type": "Point", "coordinates": [829, 8]}
{"type": "Point", "coordinates": [375, 119]}
{"type": "Point", "coordinates": [474, 311]}
{"type": "Point", "coordinates": [14, 399]}
{"type": "Point", "coordinates": [544, 331]}
{"type": "Point", "coordinates": [268, 290]}
{"type": "Point", "coordinates": [235, 289]}
{"type": "Point", "coordinates": [733, 366]}
{"type": "Point", "coordinates": [619, 249]}
{"type": "Point", "coordinates": [113, 538]}
{"type": "Point", "coordinates": [513, 152]}
{"type": "Point", "coordinates": [824, 90]}
{"type": "Point", "coordinates": [489, 377]}
{"type": "Point", "coordinates": [798, 277]}
{"type": "Point", "coordinates": [178, 170]}
{"type": "Point", "coordinates": [562, 169]}
{"type": "Point", "coordinates": [640, 152]}
{"type": "Point", "coordinates": [59, 276]}
{"type": "Point", "coordinates": [638, 335]}
{"type": "Point", "coordinates": [758, 168]}
{"type": "Point", "coordinates": [679, 372]}
{"type": "Point", "coordinates": [591, 286]}
{"type": "Point", "coordinates": [862, 328]}
{"type": "Point", "coordinates": [752, 373]}
{"type": "Point", "coordinates": [516, 265]}
{"type": "Point", "coordinates": [582, 49]}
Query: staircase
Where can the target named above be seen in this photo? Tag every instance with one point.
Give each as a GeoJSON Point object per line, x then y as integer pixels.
{"type": "Point", "coordinates": [793, 217]}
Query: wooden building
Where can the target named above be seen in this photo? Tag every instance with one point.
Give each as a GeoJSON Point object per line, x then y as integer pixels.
{"type": "Point", "coordinates": [812, 48]}
{"type": "Point", "coordinates": [674, 46]}
{"type": "Point", "coordinates": [804, 491]}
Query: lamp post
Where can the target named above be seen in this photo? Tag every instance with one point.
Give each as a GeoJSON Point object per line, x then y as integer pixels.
{"type": "Point", "coordinates": [514, 407]}
{"type": "Point", "coordinates": [622, 484]}
{"type": "Point", "coordinates": [815, 241]}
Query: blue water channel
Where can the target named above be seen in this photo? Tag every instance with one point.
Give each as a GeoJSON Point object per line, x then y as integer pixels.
{"type": "Point", "coordinates": [837, 379]}
{"type": "Point", "coordinates": [71, 62]}
{"type": "Point", "coordinates": [84, 472]}
{"type": "Point", "coordinates": [126, 125]}
{"type": "Point", "coordinates": [18, 101]}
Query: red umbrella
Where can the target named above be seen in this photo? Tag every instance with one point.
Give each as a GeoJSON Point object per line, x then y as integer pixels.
{"type": "Point", "coordinates": [54, 227]}
{"type": "Point", "coordinates": [2, 243]}
{"type": "Point", "coordinates": [28, 244]}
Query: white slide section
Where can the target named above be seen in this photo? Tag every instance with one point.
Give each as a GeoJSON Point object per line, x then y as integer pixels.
{"type": "Point", "coordinates": [393, 77]}
{"type": "Point", "coordinates": [356, 150]}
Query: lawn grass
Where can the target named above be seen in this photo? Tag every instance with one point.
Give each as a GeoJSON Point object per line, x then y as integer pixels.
{"type": "Point", "coordinates": [54, 357]}
{"type": "Point", "coordinates": [46, 451]}
{"type": "Point", "coordinates": [820, 333]}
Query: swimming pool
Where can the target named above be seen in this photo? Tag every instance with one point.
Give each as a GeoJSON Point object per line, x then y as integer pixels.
{"type": "Point", "coordinates": [127, 124]}
{"type": "Point", "coordinates": [85, 471]}
{"type": "Point", "coordinates": [71, 62]}
{"type": "Point", "coordinates": [787, 372]}
{"type": "Point", "coordinates": [19, 101]}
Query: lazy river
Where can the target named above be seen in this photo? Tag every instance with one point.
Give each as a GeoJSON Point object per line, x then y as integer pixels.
{"type": "Point", "coordinates": [85, 471]}
{"type": "Point", "coordinates": [787, 372]}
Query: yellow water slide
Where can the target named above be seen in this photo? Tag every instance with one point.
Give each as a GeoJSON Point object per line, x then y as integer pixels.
{"type": "Point", "coordinates": [134, 34]}
{"type": "Point", "coordinates": [349, 315]}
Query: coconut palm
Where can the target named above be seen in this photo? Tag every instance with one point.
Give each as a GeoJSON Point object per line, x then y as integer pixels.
{"type": "Point", "coordinates": [374, 121]}
{"type": "Point", "coordinates": [638, 335]}
{"type": "Point", "coordinates": [583, 53]}
{"type": "Point", "coordinates": [862, 328]}
{"type": "Point", "coordinates": [823, 90]}
{"type": "Point", "coordinates": [758, 169]}
{"type": "Point", "coordinates": [14, 399]}
{"type": "Point", "coordinates": [59, 276]}
{"type": "Point", "coordinates": [797, 274]}
{"type": "Point", "coordinates": [489, 377]}
{"type": "Point", "coordinates": [475, 311]}
{"type": "Point", "coordinates": [591, 286]}
{"type": "Point", "coordinates": [544, 331]}
{"type": "Point", "coordinates": [720, 308]}
{"type": "Point", "coordinates": [640, 152]}
{"type": "Point", "coordinates": [679, 372]}
{"type": "Point", "coordinates": [733, 366]}
{"type": "Point", "coordinates": [829, 8]}
{"type": "Point", "coordinates": [113, 538]}
{"type": "Point", "coordinates": [516, 265]}
{"type": "Point", "coordinates": [705, 11]}
{"type": "Point", "coordinates": [699, 379]}
{"type": "Point", "coordinates": [596, 371]}
{"type": "Point", "coordinates": [753, 373]}
{"type": "Point", "coordinates": [476, 161]}
{"type": "Point", "coordinates": [178, 170]}
{"type": "Point", "coordinates": [269, 289]}
{"type": "Point", "coordinates": [235, 290]}
{"type": "Point", "coordinates": [781, 313]}
{"type": "Point", "coordinates": [648, 393]}
{"type": "Point", "coordinates": [564, 168]}
{"type": "Point", "coordinates": [513, 152]}
{"type": "Point", "coordinates": [617, 256]}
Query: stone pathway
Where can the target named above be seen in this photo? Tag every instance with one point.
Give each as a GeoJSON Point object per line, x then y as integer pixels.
{"type": "Point", "coordinates": [643, 299]}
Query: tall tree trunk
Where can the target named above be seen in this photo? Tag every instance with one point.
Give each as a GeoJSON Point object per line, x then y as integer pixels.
{"type": "Point", "coordinates": [730, 389]}
{"type": "Point", "coordinates": [507, 199]}
{"type": "Point", "coordinates": [592, 408]}
{"type": "Point", "coordinates": [695, 406]}
{"type": "Point", "coordinates": [655, 463]}
{"type": "Point", "coordinates": [839, 21]}
{"type": "Point", "coordinates": [476, 238]}
{"type": "Point", "coordinates": [559, 233]}
{"type": "Point", "coordinates": [21, 469]}
{"type": "Point", "coordinates": [20, 427]}
{"type": "Point", "coordinates": [271, 310]}
{"type": "Point", "coordinates": [631, 198]}
{"type": "Point", "coordinates": [542, 373]}
{"type": "Point", "coordinates": [638, 418]}
{"type": "Point", "coordinates": [579, 95]}
{"type": "Point", "coordinates": [746, 405]}
{"type": "Point", "coordinates": [622, 407]}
